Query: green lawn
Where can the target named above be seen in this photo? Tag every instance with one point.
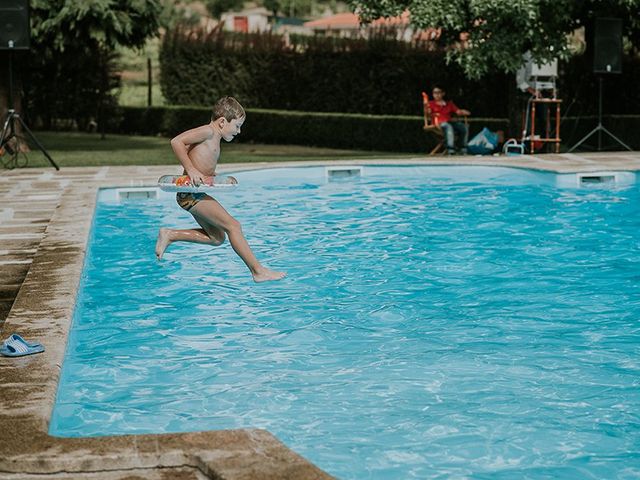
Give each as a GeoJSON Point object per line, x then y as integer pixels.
{"type": "Point", "coordinates": [86, 149]}
{"type": "Point", "coordinates": [133, 95]}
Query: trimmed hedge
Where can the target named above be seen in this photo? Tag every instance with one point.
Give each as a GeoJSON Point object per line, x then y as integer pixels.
{"type": "Point", "coordinates": [349, 131]}
{"type": "Point", "coordinates": [393, 133]}
{"type": "Point", "coordinates": [381, 76]}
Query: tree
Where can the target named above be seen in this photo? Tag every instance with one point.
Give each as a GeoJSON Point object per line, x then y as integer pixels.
{"type": "Point", "coordinates": [77, 40]}
{"type": "Point", "coordinates": [273, 6]}
{"type": "Point", "coordinates": [217, 7]}
{"type": "Point", "coordinates": [492, 35]}
{"type": "Point", "coordinates": [90, 23]}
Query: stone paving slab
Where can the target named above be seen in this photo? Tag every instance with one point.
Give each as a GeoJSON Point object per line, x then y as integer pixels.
{"type": "Point", "coordinates": [178, 473]}
{"type": "Point", "coordinates": [42, 247]}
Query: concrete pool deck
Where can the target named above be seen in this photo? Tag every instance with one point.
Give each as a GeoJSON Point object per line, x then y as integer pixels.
{"type": "Point", "coordinates": [45, 219]}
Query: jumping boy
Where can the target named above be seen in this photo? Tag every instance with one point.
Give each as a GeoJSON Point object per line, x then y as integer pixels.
{"type": "Point", "coordinates": [198, 150]}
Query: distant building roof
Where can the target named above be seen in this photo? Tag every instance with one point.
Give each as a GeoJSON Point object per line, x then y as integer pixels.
{"type": "Point", "coordinates": [348, 21]}
{"type": "Point", "coordinates": [339, 21]}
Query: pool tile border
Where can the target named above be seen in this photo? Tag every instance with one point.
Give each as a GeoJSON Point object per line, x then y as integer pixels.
{"type": "Point", "coordinates": [43, 310]}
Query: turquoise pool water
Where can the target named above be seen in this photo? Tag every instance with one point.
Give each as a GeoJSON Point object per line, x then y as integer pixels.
{"type": "Point", "coordinates": [435, 323]}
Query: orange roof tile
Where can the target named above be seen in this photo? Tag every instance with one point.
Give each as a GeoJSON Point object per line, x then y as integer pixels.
{"type": "Point", "coordinates": [352, 21]}
{"type": "Point", "coordinates": [340, 20]}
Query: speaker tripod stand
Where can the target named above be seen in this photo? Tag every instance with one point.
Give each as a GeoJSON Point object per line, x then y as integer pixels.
{"type": "Point", "coordinates": [10, 142]}
{"type": "Point", "coordinates": [599, 128]}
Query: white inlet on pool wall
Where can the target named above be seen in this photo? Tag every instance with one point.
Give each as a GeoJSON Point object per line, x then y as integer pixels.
{"type": "Point", "coordinates": [343, 172]}
{"type": "Point", "coordinates": [597, 179]}
{"type": "Point", "coordinates": [136, 193]}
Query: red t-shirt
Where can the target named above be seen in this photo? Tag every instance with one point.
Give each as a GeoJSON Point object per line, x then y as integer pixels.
{"type": "Point", "coordinates": [442, 113]}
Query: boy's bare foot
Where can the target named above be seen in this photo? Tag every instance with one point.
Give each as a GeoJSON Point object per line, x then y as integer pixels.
{"type": "Point", "coordinates": [266, 275]}
{"type": "Point", "coordinates": [163, 242]}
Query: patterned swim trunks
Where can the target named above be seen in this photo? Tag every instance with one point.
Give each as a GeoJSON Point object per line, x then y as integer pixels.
{"type": "Point", "coordinates": [188, 200]}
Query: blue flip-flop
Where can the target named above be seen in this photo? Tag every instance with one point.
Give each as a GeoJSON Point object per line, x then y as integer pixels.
{"type": "Point", "coordinates": [16, 346]}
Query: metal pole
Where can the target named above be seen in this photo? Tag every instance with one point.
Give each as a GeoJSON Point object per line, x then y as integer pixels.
{"type": "Point", "coordinates": [149, 80]}
{"type": "Point", "coordinates": [600, 113]}
{"type": "Point", "coordinates": [10, 106]}
{"type": "Point", "coordinates": [599, 128]}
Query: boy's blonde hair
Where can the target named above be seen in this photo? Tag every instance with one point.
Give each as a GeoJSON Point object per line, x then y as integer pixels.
{"type": "Point", "coordinates": [229, 108]}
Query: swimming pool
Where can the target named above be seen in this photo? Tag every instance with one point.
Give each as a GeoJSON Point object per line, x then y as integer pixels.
{"type": "Point", "coordinates": [436, 322]}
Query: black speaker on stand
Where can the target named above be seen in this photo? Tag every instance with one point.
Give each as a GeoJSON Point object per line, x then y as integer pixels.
{"type": "Point", "coordinates": [15, 35]}
{"type": "Point", "coordinates": [607, 59]}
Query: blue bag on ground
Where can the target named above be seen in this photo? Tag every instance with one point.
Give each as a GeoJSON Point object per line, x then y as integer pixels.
{"type": "Point", "coordinates": [484, 143]}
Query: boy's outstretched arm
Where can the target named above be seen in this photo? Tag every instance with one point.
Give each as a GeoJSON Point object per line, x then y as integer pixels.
{"type": "Point", "coordinates": [180, 145]}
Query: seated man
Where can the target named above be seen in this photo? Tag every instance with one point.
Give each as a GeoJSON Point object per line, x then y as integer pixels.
{"type": "Point", "coordinates": [442, 110]}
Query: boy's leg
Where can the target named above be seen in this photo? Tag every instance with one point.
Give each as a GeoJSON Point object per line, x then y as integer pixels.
{"type": "Point", "coordinates": [463, 134]}
{"type": "Point", "coordinates": [214, 219]}
{"type": "Point", "coordinates": [449, 136]}
{"type": "Point", "coordinates": [167, 236]}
